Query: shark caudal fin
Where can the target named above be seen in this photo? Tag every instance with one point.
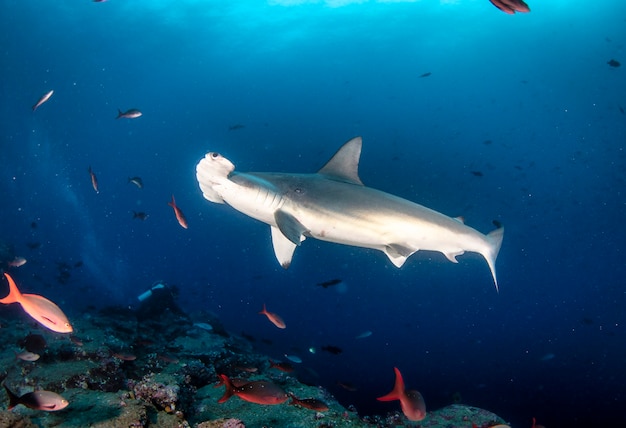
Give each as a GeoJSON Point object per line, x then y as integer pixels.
{"type": "Point", "coordinates": [494, 240]}
{"type": "Point", "coordinates": [211, 171]}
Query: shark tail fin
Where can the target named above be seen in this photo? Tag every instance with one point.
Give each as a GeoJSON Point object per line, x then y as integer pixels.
{"type": "Point", "coordinates": [494, 241]}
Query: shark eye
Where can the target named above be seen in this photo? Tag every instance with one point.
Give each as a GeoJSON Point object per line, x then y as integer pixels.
{"type": "Point", "coordinates": [215, 155]}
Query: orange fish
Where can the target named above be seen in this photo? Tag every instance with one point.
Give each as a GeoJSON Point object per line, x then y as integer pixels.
{"type": "Point", "coordinates": [43, 99]}
{"type": "Point", "coordinates": [38, 400]}
{"type": "Point", "coordinates": [179, 214]}
{"type": "Point", "coordinates": [39, 308]}
{"type": "Point", "coordinates": [309, 403]}
{"type": "Point", "coordinates": [412, 402]}
{"type": "Point", "coordinates": [258, 391]}
{"type": "Point", "coordinates": [94, 180]}
{"type": "Point", "coordinates": [274, 318]}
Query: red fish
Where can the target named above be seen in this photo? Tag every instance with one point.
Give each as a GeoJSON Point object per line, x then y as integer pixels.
{"type": "Point", "coordinates": [309, 403]}
{"type": "Point", "coordinates": [282, 366]}
{"type": "Point", "coordinates": [412, 402]}
{"type": "Point", "coordinates": [258, 391]}
{"type": "Point", "coordinates": [133, 113]}
{"type": "Point", "coordinates": [179, 214]}
{"type": "Point", "coordinates": [39, 308]}
{"type": "Point", "coordinates": [511, 6]}
{"type": "Point", "coordinates": [274, 318]}
{"type": "Point", "coordinates": [38, 400]}
{"type": "Point", "coordinates": [43, 99]}
{"type": "Point", "coordinates": [94, 179]}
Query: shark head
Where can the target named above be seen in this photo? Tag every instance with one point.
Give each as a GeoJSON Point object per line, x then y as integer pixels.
{"type": "Point", "coordinates": [213, 171]}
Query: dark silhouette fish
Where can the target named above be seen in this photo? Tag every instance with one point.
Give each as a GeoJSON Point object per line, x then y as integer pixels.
{"type": "Point", "coordinates": [511, 6]}
{"type": "Point", "coordinates": [614, 63]}
{"type": "Point", "coordinates": [330, 283]}
{"type": "Point", "coordinates": [335, 350]}
{"type": "Point", "coordinates": [426, 74]}
{"type": "Point", "coordinates": [477, 173]}
{"type": "Point", "coordinates": [140, 215]}
{"type": "Point", "coordinates": [236, 127]}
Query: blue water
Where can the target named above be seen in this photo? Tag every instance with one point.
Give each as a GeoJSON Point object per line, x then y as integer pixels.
{"type": "Point", "coordinates": [527, 100]}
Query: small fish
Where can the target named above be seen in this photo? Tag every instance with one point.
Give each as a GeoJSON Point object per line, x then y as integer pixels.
{"type": "Point", "coordinates": [364, 335]}
{"type": "Point", "coordinates": [137, 181]}
{"type": "Point", "coordinates": [308, 403]}
{"type": "Point", "coordinates": [33, 343]}
{"type": "Point", "coordinates": [76, 341]}
{"type": "Point", "coordinates": [330, 283]}
{"type": "Point", "coordinates": [43, 99]}
{"type": "Point", "coordinates": [411, 402]}
{"type": "Point", "coordinates": [259, 391]}
{"type": "Point", "coordinates": [203, 326]}
{"type": "Point", "coordinates": [124, 357]}
{"type": "Point", "coordinates": [38, 400]}
{"type": "Point", "coordinates": [477, 173]}
{"type": "Point", "coordinates": [335, 350]}
{"type": "Point", "coordinates": [294, 358]}
{"type": "Point", "coordinates": [511, 6]}
{"type": "Point", "coordinates": [17, 262]}
{"type": "Point", "coordinates": [282, 366]}
{"type": "Point", "coordinates": [133, 113]}
{"type": "Point", "coordinates": [621, 109]}
{"type": "Point", "coordinates": [33, 245]}
{"type": "Point", "coordinates": [179, 214]}
{"type": "Point", "coordinates": [425, 74]}
{"type": "Point", "coordinates": [236, 127]}
{"type": "Point", "coordinates": [94, 179]}
{"type": "Point", "coordinates": [614, 63]}
{"type": "Point", "coordinates": [274, 318]}
{"type": "Point", "coordinates": [140, 215]}
{"type": "Point", "coordinates": [27, 356]}
{"type": "Point", "coordinates": [167, 359]}
{"type": "Point", "coordinates": [347, 386]}
{"type": "Point", "coordinates": [39, 308]}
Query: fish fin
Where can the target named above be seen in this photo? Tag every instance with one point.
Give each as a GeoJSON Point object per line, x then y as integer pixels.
{"type": "Point", "coordinates": [283, 247]}
{"type": "Point", "coordinates": [453, 255]}
{"type": "Point", "coordinates": [398, 388]}
{"type": "Point", "coordinates": [14, 400]}
{"type": "Point", "coordinates": [229, 389]}
{"type": "Point", "coordinates": [14, 294]}
{"type": "Point", "coordinates": [291, 228]}
{"type": "Point", "coordinates": [210, 172]}
{"type": "Point", "coordinates": [460, 219]}
{"type": "Point", "coordinates": [344, 165]}
{"type": "Point", "coordinates": [494, 239]}
{"type": "Point", "coordinates": [398, 253]}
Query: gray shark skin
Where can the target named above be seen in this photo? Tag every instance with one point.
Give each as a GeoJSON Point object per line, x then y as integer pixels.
{"type": "Point", "coordinates": [333, 205]}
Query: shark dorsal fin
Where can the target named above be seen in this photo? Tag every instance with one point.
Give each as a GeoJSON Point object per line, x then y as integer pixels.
{"type": "Point", "coordinates": [344, 165]}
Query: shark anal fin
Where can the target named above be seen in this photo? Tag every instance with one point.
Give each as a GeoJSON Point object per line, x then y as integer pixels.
{"type": "Point", "coordinates": [290, 227]}
{"type": "Point", "coordinates": [398, 253]}
{"type": "Point", "coordinates": [344, 165]}
{"type": "Point", "coordinates": [283, 247]}
{"type": "Point", "coordinates": [453, 255]}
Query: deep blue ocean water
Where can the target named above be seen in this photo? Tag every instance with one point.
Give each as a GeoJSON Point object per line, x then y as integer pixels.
{"type": "Point", "coordinates": [521, 120]}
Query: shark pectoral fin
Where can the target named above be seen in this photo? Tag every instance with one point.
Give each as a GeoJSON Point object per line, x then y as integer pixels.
{"type": "Point", "coordinates": [398, 253]}
{"type": "Point", "coordinates": [283, 247]}
{"type": "Point", "coordinates": [290, 227]}
{"type": "Point", "coordinates": [453, 255]}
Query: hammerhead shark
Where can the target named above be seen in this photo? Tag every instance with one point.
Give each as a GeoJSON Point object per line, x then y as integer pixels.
{"type": "Point", "coordinates": [333, 205]}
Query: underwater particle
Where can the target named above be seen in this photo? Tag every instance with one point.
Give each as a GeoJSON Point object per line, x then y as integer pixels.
{"type": "Point", "coordinates": [613, 63]}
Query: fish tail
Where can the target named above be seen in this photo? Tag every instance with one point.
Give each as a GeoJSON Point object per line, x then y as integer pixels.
{"type": "Point", "coordinates": [120, 113]}
{"type": "Point", "coordinates": [494, 241]}
{"type": "Point", "coordinates": [173, 203]}
{"type": "Point", "coordinates": [398, 388]}
{"type": "Point", "coordinates": [14, 295]}
{"type": "Point", "coordinates": [14, 400]}
{"type": "Point", "coordinates": [229, 389]}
